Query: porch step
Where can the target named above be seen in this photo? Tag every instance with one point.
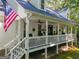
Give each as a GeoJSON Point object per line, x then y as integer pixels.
{"type": "Point", "coordinates": [2, 52]}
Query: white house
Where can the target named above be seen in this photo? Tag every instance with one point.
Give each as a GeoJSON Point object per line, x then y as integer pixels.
{"type": "Point", "coordinates": [37, 27]}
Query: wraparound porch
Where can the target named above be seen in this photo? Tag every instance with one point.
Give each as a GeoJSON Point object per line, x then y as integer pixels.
{"type": "Point", "coordinates": [48, 33]}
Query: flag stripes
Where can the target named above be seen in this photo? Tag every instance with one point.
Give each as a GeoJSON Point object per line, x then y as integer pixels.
{"type": "Point", "coordinates": [9, 15]}
{"type": "Point", "coordinates": [9, 21]}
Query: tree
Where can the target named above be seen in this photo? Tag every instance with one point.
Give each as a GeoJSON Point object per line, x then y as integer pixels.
{"type": "Point", "coordinates": [73, 6]}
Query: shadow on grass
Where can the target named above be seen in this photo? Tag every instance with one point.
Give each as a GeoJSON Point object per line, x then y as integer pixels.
{"type": "Point", "coordinates": [72, 53]}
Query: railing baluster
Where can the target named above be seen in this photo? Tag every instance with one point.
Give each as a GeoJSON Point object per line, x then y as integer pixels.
{"type": "Point", "coordinates": [11, 57]}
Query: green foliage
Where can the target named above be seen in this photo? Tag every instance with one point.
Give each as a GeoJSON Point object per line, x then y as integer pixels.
{"type": "Point", "coordinates": [55, 4]}
{"type": "Point", "coordinates": [73, 6]}
{"type": "Point", "coordinates": [74, 10]}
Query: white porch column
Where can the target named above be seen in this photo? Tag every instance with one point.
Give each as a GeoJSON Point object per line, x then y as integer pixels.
{"type": "Point", "coordinates": [58, 40]}
{"type": "Point", "coordinates": [76, 35]}
{"type": "Point", "coordinates": [66, 36]}
{"type": "Point", "coordinates": [46, 39]}
{"type": "Point", "coordinates": [71, 36]}
{"type": "Point", "coordinates": [27, 38]}
{"type": "Point", "coordinates": [19, 29]}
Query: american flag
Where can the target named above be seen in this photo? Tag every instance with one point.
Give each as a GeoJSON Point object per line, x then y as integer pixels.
{"type": "Point", "coordinates": [9, 15]}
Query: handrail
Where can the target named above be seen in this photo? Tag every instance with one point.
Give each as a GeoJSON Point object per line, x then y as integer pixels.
{"type": "Point", "coordinates": [37, 37]}
{"type": "Point", "coordinates": [48, 36]}
{"type": "Point", "coordinates": [52, 35]}
{"type": "Point", "coordinates": [16, 45]}
{"type": "Point", "coordinates": [12, 41]}
{"type": "Point", "coordinates": [9, 44]}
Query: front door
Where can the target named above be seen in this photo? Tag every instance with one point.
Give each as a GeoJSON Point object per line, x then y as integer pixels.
{"type": "Point", "coordinates": [50, 29]}
{"type": "Point", "coordinates": [39, 30]}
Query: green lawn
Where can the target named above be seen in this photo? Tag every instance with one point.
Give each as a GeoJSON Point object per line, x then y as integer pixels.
{"type": "Point", "coordinates": [72, 53]}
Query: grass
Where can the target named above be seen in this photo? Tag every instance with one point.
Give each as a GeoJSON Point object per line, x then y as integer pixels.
{"type": "Point", "coordinates": [72, 53]}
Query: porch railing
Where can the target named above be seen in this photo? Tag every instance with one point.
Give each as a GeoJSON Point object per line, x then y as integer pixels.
{"type": "Point", "coordinates": [54, 39]}
{"type": "Point", "coordinates": [18, 50]}
{"type": "Point", "coordinates": [62, 38]}
{"type": "Point", "coordinates": [74, 36]}
{"type": "Point", "coordinates": [11, 44]}
{"type": "Point", "coordinates": [69, 37]}
{"type": "Point", "coordinates": [37, 41]}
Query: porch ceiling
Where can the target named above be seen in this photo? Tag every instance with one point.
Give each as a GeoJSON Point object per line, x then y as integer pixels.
{"type": "Point", "coordinates": [37, 16]}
